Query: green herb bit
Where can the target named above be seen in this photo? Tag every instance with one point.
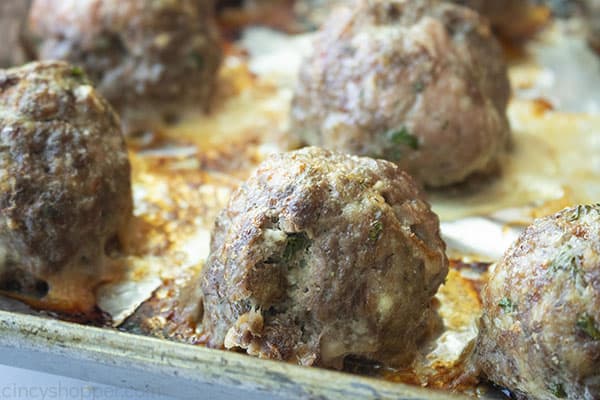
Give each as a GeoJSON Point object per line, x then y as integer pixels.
{"type": "Point", "coordinates": [565, 260]}
{"type": "Point", "coordinates": [418, 86]}
{"type": "Point", "coordinates": [576, 214]}
{"type": "Point", "coordinates": [587, 325]}
{"type": "Point", "coordinates": [583, 210]}
{"type": "Point", "coordinates": [77, 72]}
{"type": "Point", "coordinates": [507, 305]}
{"type": "Point", "coordinates": [197, 59]}
{"type": "Point", "coordinates": [295, 243]}
{"type": "Point", "coordinates": [558, 390]}
{"type": "Point", "coordinates": [375, 231]}
{"type": "Point", "coordinates": [404, 137]}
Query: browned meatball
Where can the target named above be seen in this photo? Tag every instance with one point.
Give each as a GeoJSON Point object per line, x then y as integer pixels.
{"type": "Point", "coordinates": [148, 58]}
{"type": "Point", "coordinates": [321, 255]}
{"type": "Point", "coordinates": [540, 332]}
{"type": "Point", "coordinates": [12, 16]}
{"type": "Point", "coordinates": [422, 84]}
{"type": "Point", "coordinates": [64, 172]}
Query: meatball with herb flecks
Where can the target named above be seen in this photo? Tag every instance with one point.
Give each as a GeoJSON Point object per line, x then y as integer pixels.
{"type": "Point", "coordinates": [321, 255]}
{"type": "Point", "coordinates": [422, 84]}
{"type": "Point", "coordinates": [540, 331]}
{"type": "Point", "coordinates": [65, 190]}
{"type": "Point", "coordinates": [149, 58]}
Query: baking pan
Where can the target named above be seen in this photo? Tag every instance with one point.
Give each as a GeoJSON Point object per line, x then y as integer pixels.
{"type": "Point", "coordinates": [183, 371]}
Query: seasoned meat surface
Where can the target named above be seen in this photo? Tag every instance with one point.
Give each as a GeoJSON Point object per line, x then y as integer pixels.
{"type": "Point", "coordinates": [321, 255]}
{"type": "Point", "coordinates": [64, 172]}
{"type": "Point", "coordinates": [540, 332]}
{"type": "Point", "coordinates": [510, 18]}
{"type": "Point", "coordinates": [422, 84]}
{"type": "Point", "coordinates": [149, 58]}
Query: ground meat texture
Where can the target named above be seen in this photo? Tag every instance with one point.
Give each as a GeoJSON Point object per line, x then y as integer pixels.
{"type": "Point", "coordinates": [512, 19]}
{"type": "Point", "coordinates": [149, 58]}
{"type": "Point", "coordinates": [64, 172]}
{"type": "Point", "coordinates": [422, 84]}
{"type": "Point", "coordinates": [540, 332]}
{"type": "Point", "coordinates": [320, 255]}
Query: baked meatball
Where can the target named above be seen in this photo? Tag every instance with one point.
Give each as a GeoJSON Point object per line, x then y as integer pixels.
{"type": "Point", "coordinates": [65, 187]}
{"type": "Point", "coordinates": [148, 58]}
{"type": "Point", "coordinates": [422, 84]}
{"type": "Point", "coordinates": [540, 331]}
{"type": "Point", "coordinates": [320, 255]}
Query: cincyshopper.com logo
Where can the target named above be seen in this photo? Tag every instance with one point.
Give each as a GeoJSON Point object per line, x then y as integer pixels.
{"type": "Point", "coordinates": [69, 392]}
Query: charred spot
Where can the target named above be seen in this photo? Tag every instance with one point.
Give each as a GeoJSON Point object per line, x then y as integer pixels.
{"type": "Point", "coordinates": [113, 246]}
{"type": "Point", "coordinates": [362, 366]}
{"type": "Point", "coordinates": [17, 280]}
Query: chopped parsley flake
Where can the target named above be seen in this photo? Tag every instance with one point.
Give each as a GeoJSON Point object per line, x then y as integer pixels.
{"type": "Point", "coordinates": [77, 72]}
{"type": "Point", "coordinates": [404, 137]}
{"type": "Point", "coordinates": [295, 243]}
{"type": "Point", "coordinates": [197, 59]}
{"type": "Point", "coordinates": [375, 231]}
{"type": "Point", "coordinates": [418, 86]}
{"type": "Point", "coordinates": [587, 325]}
{"type": "Point", "coordinates": [581, 210]}
{"type": "Point", "coordinates": [558, 390]}
{"type": "Point", "coordinates": [507, 305]}
{"type": "Point", "coordinates": [565, 260]}
{"type": "Point", "coordinates": [576, 214]}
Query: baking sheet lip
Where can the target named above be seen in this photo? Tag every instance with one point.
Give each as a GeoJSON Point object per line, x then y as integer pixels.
{"type": "Point", "coordinates": [194, 363]}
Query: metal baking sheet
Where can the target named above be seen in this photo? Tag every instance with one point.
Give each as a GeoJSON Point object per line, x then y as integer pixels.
{"type": "Point", "coordinates": [183, 371]}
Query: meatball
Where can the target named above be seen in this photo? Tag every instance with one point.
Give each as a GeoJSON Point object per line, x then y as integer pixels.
{"type": "Point", "coordinates": [148, 58]}
{"type": "Point", "coordinates": [12, 15]}
{"type": "Point", "coordinates": [422, 84]}
{"type": "Point", "coordinates": [540, 331]}
{"type": "Point", "coordinates": [321, 255]}
{"type": "Point", "coordinates": [65, 189]}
